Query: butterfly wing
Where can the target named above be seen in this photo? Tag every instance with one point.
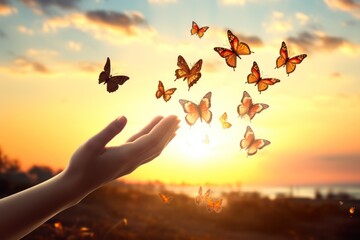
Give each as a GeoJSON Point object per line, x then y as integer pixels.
{"type": "Point", "coordinates": [194, 74]}
{"type": "Point", "coordinates": [183, 70]}
{"type": "Point", "coordinates": [164, 198]}
{"type": "Point", "coordinates": [249, 137]}
{"type": "Point", "coordinates": [223, 119]}
{"type": "Point", "coordinates": [204, 106]}
{"type": "Point", "coordinates": [114, 82]}
{"type": "Point", "coordinates": [264, 83]}
{"type": "Point", "coordinates": [199, 197]}
{"type": "Point", "coordinates": [292, 62]}
{"type": "Point", "coordinates": [217, 206]}
{"type": "Point", "coordinates": [254, 76]}
{"type": "Point", "coordinates": [257, 145]}
{"type": "Point", "coordinates": [194, 28]}
{"type": "Point", "coordinates": [240, 48]}
{"type": "Point", "coordinates": [256, 108]}
{"type": "Point", "coordinates": [192, 111]}
{"type": "Point", "coordinates": [228, 54]}
{"type": "Point", "coordinates": [168, 93]}
{"type": "Point", "coordinates": [160, 91]}
{"type": "Point", "coordinates": [246, 104]}
{"type": "Point", "coordinates": [105, 75]}
{"type": "Point", "coordinates": [201, 31]}
{"type": "Point", "coordinates": [283, 58]}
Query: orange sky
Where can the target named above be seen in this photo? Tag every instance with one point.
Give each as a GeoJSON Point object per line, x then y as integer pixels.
{"type": "Point", "coordinates": [50, 101]}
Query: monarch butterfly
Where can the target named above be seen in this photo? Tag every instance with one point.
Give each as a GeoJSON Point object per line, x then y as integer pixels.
{"type": "Point", "coordinates": [198, 31]}
{"type": "Point", "coordinates": [250, 143]}
{"type": "Point", "coordinates": [195, 111]}
{"type": "Point", "coordinates": [191, 75]}
{"type": "Point", "coordinates": [248, 108]}
{"type": "Point", "coordinates": [284, 60]}
{"type": "Point", "coordinates": [165, 94]}
{"type": "Point", "coordinates": [112, 82]}
{"type": "Point", "coordinates": [262, 83]}
{"type": "Point", "coordinates": [214, 205]}
{"type": "Point", "coordinates": [165, 198]}
{"type": "Point", "coordinates": [237, 49]}
{"type": "Point", "coordinates": [223, 119]}
{"type": "Point", "coordinates": [202, 198]}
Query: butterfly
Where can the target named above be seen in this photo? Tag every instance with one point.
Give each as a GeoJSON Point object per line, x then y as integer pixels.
{"type": "Point", "coordinates": [165, 94]}
{"type": "Point", "coordinates": [165, 198]}
{"type": "Point", "coordinates": [202, 198]}
{"type": "Point", "coordinates": [194, 111]}
{"type": "Point", "coordinates": [262, 83]}
{"type": "Point", "coordinates": [191, 75]}
{"type": "Point", "coordinates": [223, 119]}
{"type": "Point", "coordinates": [248, 108]}
{"type": "Point", "coordinates": [284, 60]}
{"type": "Point", "coordinates": [112, 82]}
{"type": "Point", "coordinates": [198, 31]}
{"type": "Point", "coordinates": [206, 139]}
{"type": "Point", "coordinates": [251, 144]}
{"type": "Point", "coordinates": [214, 205]}
{"type": "Point", "coordinates": [237, 49]}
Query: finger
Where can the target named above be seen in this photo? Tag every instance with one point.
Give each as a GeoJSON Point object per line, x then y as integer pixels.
{"type": "Point", "coordinates": [100, 140]}
{"type": "Point", "coordinates": [146, 129]}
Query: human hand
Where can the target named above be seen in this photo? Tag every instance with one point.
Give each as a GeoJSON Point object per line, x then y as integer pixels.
{"type": "Point", "coordinates": [93, 164]}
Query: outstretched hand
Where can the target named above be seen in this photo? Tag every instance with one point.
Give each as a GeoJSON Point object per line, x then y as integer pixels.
{"type": "Point", "coordinates": [94, 164]}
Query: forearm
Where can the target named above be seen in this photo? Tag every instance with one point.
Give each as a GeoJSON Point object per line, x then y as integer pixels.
{"type": "Point", "coordinates": [23, 212]}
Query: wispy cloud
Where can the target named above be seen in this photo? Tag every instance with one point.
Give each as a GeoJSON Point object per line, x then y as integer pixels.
{"type": "Point", "coordinates": [6, 8]}
{"type": "Point", "coordinates": [26, 65]}
{"type": "Point", "coordinates": [350, 6]}
{"type": "Point", "coordinates": [74, 46]}
{"type": "Point", "coordinates": [278, 23]}
{"type": "Point", "coordinates": [115, 27]}
{"type": "Point", "coordinates": [45, 6]}
{"type": "Point", "coordinates": [24, 30]}
{"type": "Point", "coordinates": [233, 2]}
{"type": "Point", "coordinates": [161, 1]}
{"type": "Point", "coordinates": [302, 18]}
{"type": "Point", "coordinates": [319, 41]}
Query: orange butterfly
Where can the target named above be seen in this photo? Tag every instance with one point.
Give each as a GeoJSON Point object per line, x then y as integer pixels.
{"type": "Point", "coordinates": [224, 122]}
{"type": "Point", "coordinates": [198, 31]}
{"type": "Point", "coordinates": [165, 198]}
{"type": "Point", "coordinates": [237, 49]}
{"type": "Point", "coordinates": [284, 60]}
{"type": "Point", "coordinates": [248, 108]}
{"type": "Point", "coordinates": [192, 75]}
{"type": "Point", "coordinates": [165, 94]}
{"type": "Point", "coordinates": [250, 143]}
{"type": "Point", "coordinates": [112, 82]}
{"type": "Point", "coordinates": [202, 198]}
{"type": "Point", "coordinates": [262, 83]}
{"type": "Point", "coordinates": [214, 205]}
{"type": "Point", "coordinates": [195, 111]}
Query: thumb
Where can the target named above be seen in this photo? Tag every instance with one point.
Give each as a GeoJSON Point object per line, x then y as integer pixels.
{"type": "Point", "coordinates": [99, 141]}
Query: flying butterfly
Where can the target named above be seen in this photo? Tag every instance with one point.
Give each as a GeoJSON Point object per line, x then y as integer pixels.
{"type": "Point", "coordinates": [165, 198]}
{"type": "Point", "coordinates": [202, 197]}
{"type": "Point", "coordinates": [248, 108]}
{"type": "Point", "coordinates": [198, 31]}
{"type": "Point", "coordinates": [112, 82]}
{"type": "Point", "coordinates": [214, 205]}
{"type": "Point", "coordinates": [262, 83]}
{"type": "Point", "coordinates": [194, 111]}
{"type": "Point", "coordinates": [237, 49]}
{"type": "Point", "coordinates": [251, 144]}
{"type": "Point", "coordinates": [223, 119]}
{"type": "Point", "coordinates": [191, 75]}
{"type": "Point", "coordinates": [284, 60]}
{"type": "Point", "coordinates": [162, 93]}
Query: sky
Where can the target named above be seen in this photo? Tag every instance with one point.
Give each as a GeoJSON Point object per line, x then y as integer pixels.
{"type": "Point", "coordinates": [51, 54]}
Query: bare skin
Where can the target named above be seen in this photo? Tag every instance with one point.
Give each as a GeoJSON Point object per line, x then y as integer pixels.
{"type": "Point", "coordinates": [91, 166]}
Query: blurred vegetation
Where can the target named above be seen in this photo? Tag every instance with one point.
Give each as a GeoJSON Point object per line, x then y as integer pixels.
{"type": "Point", "coordinates": [135, 211]}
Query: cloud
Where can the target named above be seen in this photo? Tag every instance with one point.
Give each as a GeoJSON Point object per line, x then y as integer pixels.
{"type": "Point", "coordinates": [302, 18]}
{"type": "Point", "coordinates": [2, 34]}
{"type": "Point", "coordinates": [25, 30]}
{"type": "Point", "coordinates": [349, 6]}
{"type": "Point", "coordinates": [319, 41]}
{"type": "Point", "coordinates": [278, 23]}
{"type": "Point", "coordinates": [233, 2]}
{"type": "Point", "coordinates": [6, 9]}
{"type": "Point", "coordinates": [74, 46]}
{"type": "Point", "coordinates": [25, 65]}
{"type": "Point", "coordinates": [115, 27]}
{"type": "Point", "coordinates": [45, 6]}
